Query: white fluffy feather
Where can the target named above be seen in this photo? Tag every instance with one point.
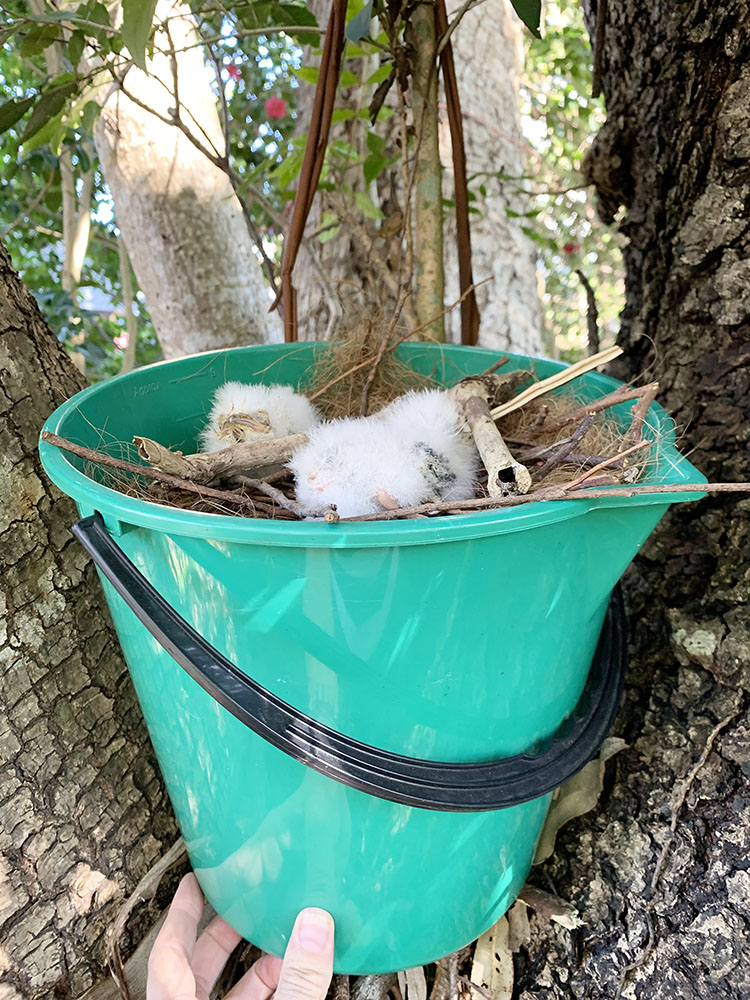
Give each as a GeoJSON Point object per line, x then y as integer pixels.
{"type": "Point", "coordinates": [274, 410]}
{"type": "Point", "coordinates": [408, 453]}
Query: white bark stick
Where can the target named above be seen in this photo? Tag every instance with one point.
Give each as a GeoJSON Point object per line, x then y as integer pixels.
{"type": "Point", "coordinates": [505, 475]}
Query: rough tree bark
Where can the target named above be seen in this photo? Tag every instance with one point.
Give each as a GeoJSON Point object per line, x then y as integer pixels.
{"type": "Point", "coordinates": [83, 813]}
{"type": "Point", "coordinates": [675, 153]}
{"type": "Point", "coordinates": [183, 226]}
{"type": "Point", "coordinates": [330, 280]}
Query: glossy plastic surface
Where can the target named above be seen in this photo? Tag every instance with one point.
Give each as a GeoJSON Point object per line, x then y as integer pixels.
{"type": "Point", "coordinates": [448, 786]}
{"type": "Point", "coordinates": [462, 638]}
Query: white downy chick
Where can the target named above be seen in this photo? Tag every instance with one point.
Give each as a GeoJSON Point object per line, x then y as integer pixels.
{"type": "Point", "coordinates": [355, 463]}
{"type": "Point", "coordinates": [407, 454]}
{"type": "Point", "coordinates": [241, 413]}
{"type": "Point", "coordinates": [430, 419]}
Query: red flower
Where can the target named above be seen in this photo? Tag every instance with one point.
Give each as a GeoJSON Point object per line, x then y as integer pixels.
{"type": "Point", "coordinates": [234, 72]}
{"type": "Point", "coordinates": [571, 247]}
{"type": "Point", "coordinates": [275, 107]}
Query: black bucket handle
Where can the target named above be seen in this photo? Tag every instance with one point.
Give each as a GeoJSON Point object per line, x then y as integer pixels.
{"type": "Point", "coordinates": [444, 786]}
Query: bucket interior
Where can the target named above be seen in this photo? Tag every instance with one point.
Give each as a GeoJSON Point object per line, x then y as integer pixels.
{"type": "Point", "coordinates": [169, 403]}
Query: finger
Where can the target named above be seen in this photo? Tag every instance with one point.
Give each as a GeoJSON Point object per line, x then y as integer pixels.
{"type": "Point", "coordinates": [213, 948]}
{"type": "Point", "coordinates": [169, 972]}
{"type": "Point", "coordinates": [259, 982]}
{"type": "Point", "coordinates": [308, 962]}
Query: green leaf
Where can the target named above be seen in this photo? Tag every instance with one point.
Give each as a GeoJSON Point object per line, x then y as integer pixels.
{"type": "Point", "coordinates": [75, 47]}
{"type": "Point", "coordinates": [329, 234]}
{"type": "Point", "coordinates": [296, 14]}
{"type": "Point", "coordinates": [348, 79]}
{"type": "Point", "coordinates": [49, 105]}
{"type": "Point", "coordinates": [373, 165]}
{"type": "Point", "coordinates": [288, 169]}
{"type": "Point", "coordinates": [381, 73]}
{"type": "Point", "coordinates": [51, 133]}
{"type": "Point", "coordinates": [359, 26]}
{"type": "Point", "coordinates": [137, 18]}
{"type": "Point", "coordinates": [375, 142]}
{"type": "Point", "coordinates": [367, 206]}
{"type": "Point", "coordinates": [530, 12]}
{"type": "Point", "coordinates": [342, 115]}
{"type": "Point", "coordinates": [90, 113]}
{"type": "Point", "coordinates": [39, 38]}
{"type": "Point", "coordinates": [308, 74]}
{"type": "Point", "coordinates": [84, 160]}
{"type": "Point", "coordinates": [12, 111]}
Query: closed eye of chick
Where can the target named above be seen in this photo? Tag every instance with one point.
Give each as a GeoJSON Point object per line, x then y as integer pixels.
{"type": "Point", "coordinates": [242, 412]}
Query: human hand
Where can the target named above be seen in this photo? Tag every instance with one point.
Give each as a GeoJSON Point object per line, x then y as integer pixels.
{"type": "Point", "coordinates": [183, 968]}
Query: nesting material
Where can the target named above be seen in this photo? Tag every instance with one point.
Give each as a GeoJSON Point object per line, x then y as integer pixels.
{"type": "Point", "coordinates": [242, 413]}
{"type": "Point", "coordinates": [413, 457]}
{"type": "Point", "coordinates": [409, 453]}
{"type": "Point", "coordinates": [339, 377]}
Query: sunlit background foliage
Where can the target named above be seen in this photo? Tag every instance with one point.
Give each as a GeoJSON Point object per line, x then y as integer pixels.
{"type": "Point", "coordinates": [261, 74]}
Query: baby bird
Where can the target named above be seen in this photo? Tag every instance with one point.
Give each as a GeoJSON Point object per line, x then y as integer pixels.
{"type": "Point", "coordinates": [408, 453]}
{"type": "Point", "coordinates": [242, 413]}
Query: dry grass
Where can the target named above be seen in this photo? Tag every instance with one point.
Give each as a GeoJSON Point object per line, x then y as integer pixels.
{"type": "Point", "coordinates": [338, 378]}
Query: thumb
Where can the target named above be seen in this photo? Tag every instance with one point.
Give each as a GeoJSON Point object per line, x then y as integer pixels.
{"type": "Point", "coordinates": [308, 961]}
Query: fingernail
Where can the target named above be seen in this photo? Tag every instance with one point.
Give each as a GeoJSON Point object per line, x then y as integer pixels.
{"type": "Point", "coordinates": [314, 930]}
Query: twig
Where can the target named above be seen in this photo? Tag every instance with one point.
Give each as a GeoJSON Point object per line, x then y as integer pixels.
{"type": "Point", "coordinates": [493, 368]}
{"type": "Point", "coordinates": [325, 513]}
{"type": "Point", "coordinates": [339, 378]}
{"type": "Point", "coordinates": [551, 493]}
{"type": "Point", "coordinates": [462, 11]}
{"type": "Point", "coordinates": [459, 300]}
{"type": "Point", "coordinates": [606, 463]}
{"type": "Point", "coordinates": [555, 381]}
{"type": "Point", "coordinates": [341, 989]}
{"type": "Point", "coordinates": [621, 395]}
{"type": "Point", "coordinates": [680, 794]}
{"type": "Point", "coordinates": [639, 411]}
{"type": "Point", "coordinates": [592, 314]}
{"type": "Point", "coordinates": [31, 207]}
{"type": "Point", "coordinates": [222, 162]}
{"type": "Point", "coordinates": [101, 458]}
{"type": "Point", "coordinates": [564, 449]}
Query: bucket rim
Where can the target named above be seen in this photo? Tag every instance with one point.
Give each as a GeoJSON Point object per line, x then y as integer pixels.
{"type": "Point", "coordinates": [121, 512]}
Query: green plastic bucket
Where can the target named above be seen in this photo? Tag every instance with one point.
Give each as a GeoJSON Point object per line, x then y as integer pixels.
{"type": "Point", "coordinates": [305, 683]}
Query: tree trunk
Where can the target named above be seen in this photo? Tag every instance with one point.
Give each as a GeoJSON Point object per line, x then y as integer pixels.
{"type": "Point", "coordinates": [83, 813]}
{"type": "Point", "coordinates": [488, 54]}
{"type": "Point", "coordinates": [330, 279]}
{"type": "Point", "coordinates": [183, 225]}
{"type": "Point", "coordinates": [660, 874]}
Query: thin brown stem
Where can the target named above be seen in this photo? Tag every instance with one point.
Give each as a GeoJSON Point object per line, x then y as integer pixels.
{"type": "Point", "coordinates": [550, 494]}
{"type": "Point", "coordinates": [101, 458]}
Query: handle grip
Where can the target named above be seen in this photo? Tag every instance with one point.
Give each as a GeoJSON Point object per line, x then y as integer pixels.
{"type": "Point", "coordinates": [437, 785]}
